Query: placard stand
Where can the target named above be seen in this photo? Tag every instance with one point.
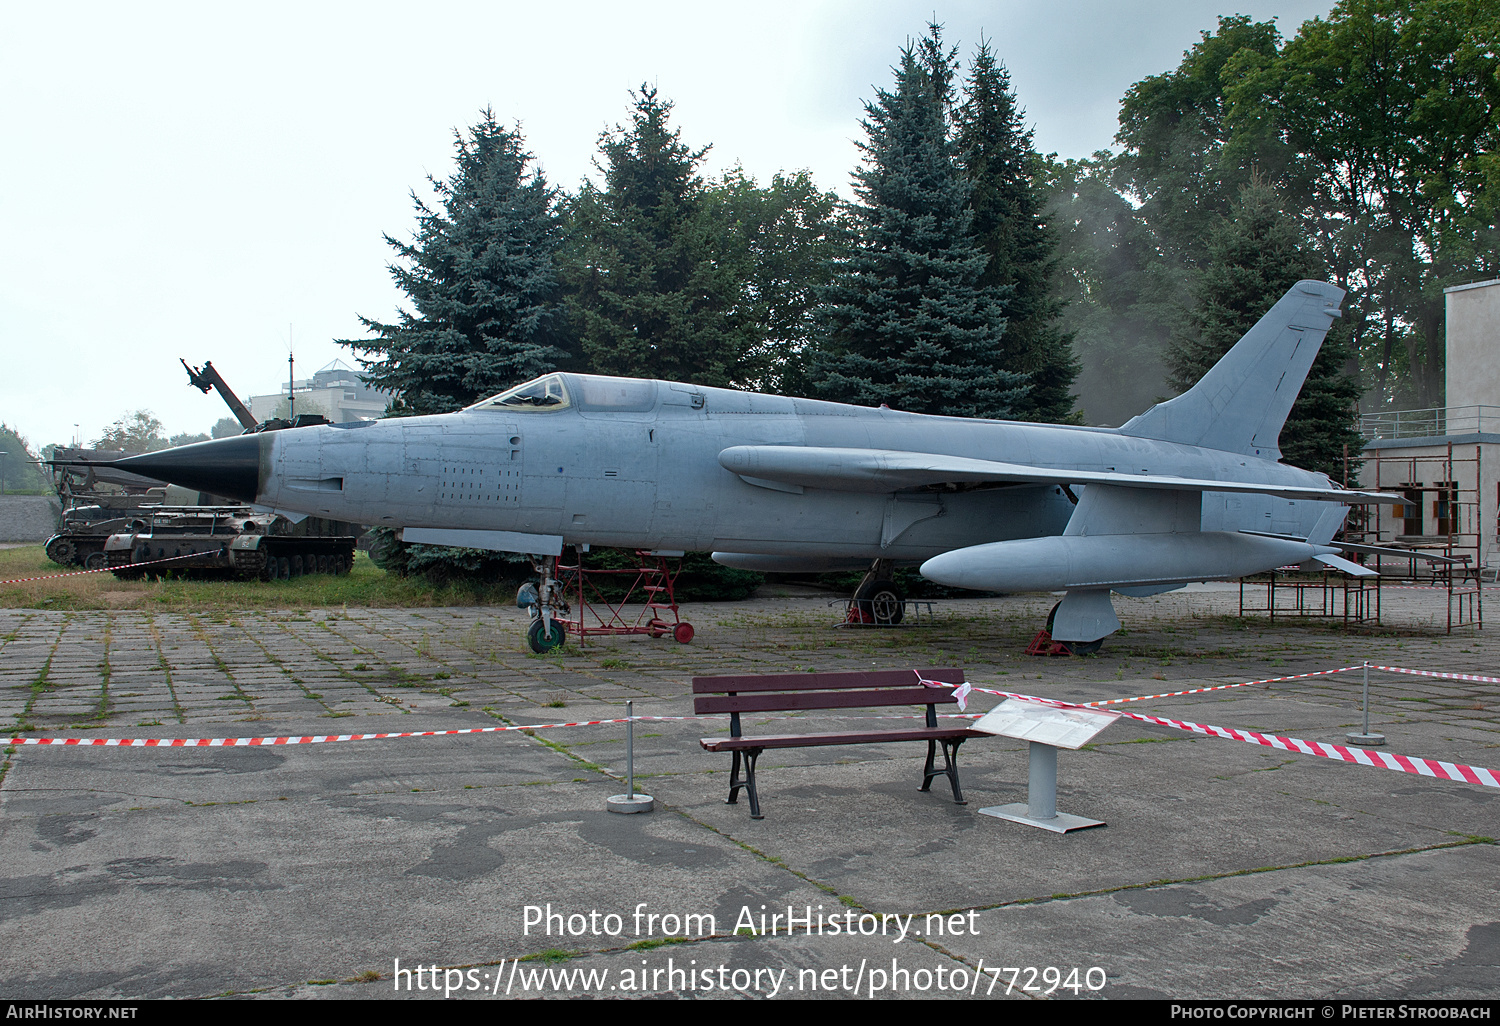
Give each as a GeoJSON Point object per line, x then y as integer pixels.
{"type": "Point", "coordinates": [1045, 728]}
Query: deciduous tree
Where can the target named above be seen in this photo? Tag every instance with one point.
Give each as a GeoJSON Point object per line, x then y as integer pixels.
{"type": "Point", "coordinates": [134, 432]}
{"type": "Point", "coordinates": [1390, 112]}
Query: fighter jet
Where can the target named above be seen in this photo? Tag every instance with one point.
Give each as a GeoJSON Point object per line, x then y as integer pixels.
{"type": "Point", "coordinates": [1190, 490]}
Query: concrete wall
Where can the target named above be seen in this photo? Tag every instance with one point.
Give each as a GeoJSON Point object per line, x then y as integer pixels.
{"type": "Point", "coordinates": [28, 518]}
{"type": "Point", "coordinates": [1473, 330]}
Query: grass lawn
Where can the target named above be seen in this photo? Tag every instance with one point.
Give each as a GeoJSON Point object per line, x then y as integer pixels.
{"type": "Point", "coordinates": [365, 585]}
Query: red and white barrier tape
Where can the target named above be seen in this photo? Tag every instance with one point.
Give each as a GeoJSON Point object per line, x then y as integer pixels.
{"type": "Point", "coordinates": [1403, 763]}
{"type": "Point", "coordinates": [1222, 687]}
{"type": "Point", "coordinates": [1362, 756]}
{"type": "Point", "coordinates": [102, 569]}
{"type": "Point", "coordinates": [308, 739]}
{"type": "Point", "coordinates": [1476, 678]}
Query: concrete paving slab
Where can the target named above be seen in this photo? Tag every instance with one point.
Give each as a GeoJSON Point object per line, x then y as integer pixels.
{"type": "Point", "coordinates": [252, 892]}
{"type": "Point", "coordinates": [1418, 925]}
{"type": "Point", "coordinates": [1226, 870]}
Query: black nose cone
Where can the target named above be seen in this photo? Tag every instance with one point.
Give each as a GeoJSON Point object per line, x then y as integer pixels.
{"type": "Point", "coordinates": [225, 466]}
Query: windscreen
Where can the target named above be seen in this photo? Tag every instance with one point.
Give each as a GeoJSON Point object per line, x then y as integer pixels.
{"type": "Point", "coordinates": [540, 396]}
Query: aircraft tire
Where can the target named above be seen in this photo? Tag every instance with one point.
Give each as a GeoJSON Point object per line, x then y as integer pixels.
{"type": "Point", "coordinates": [883, 600]}
{"type": "Point", "coordinates": [541, 640]}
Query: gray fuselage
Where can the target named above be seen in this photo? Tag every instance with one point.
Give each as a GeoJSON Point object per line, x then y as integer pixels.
{"type": "Point", "coordinates": [649, 476]}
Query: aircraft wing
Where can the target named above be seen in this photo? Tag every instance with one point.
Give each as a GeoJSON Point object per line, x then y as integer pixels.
{"type": "Point", "coordinates": [887, 470]}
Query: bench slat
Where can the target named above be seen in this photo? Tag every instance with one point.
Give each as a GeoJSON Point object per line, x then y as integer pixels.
{"type": "Point", "coordinates": [824, 681]}
{"type": "Point", "coordinates": [729, 744]}
{"type": "Point", "coordinates": [885, 699]}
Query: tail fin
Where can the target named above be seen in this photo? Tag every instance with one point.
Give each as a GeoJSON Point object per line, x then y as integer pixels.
{"type": "Point", "coordinates": [1242, 402]}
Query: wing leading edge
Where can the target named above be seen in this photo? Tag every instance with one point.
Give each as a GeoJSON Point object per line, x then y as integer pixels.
{"type": "Point", "coordinates": [887, 470]}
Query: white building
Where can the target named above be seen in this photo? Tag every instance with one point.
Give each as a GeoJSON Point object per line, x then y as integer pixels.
{"type": "Point", "coordinates": [1446, 460]}
{"type": "Point", "coordinates": [336, 391]}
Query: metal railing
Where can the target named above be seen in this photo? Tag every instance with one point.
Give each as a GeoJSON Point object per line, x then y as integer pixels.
{"type": "Point", "coordinates": [1450, 420]}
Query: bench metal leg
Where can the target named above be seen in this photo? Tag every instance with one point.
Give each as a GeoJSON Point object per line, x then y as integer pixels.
{"type": "Point", "coordinates": [735, 784]}
{"type": "Point", "coordinates": [949, 770]}
{"type": "Point", "coordinates": [927, 773]}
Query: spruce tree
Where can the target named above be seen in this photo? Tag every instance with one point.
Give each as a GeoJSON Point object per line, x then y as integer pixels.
{"type": "Point", "coordinates": [1254, 257]}
{"type": "Point", "coordinates": [656, 284]}
{"type": "Point", "coordinates": [1011, 224]}
{"type": "Point", "coordinates": [907, 320]}
{"type": "Point", "coordinates": [481, 277]}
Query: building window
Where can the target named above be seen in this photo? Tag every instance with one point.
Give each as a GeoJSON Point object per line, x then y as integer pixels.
{"type": "Point", "coordinates": [1411, 513]}
{"type": "Point", "coordinates": [1445, 508]}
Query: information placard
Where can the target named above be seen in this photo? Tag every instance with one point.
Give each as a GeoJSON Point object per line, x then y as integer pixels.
{"type": "Point", "coordinates": [1067, 727]}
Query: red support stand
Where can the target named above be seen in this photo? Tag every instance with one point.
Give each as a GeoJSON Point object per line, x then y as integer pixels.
{"type": "Point", "coordinates": [651, 584]}
{"type": "Point", "coordinates": [1043, 645]}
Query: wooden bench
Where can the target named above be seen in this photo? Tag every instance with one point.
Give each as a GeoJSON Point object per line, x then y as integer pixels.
{"type": "Point", "coordinates": [795, 692]}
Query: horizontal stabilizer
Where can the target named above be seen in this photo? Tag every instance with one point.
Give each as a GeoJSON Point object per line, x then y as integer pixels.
{"type": "Point", "coordinates": [1379, 550]}
{"type": "Point", "coordinates": [889, 470]}
{"type": "Point", "coordinates": [1344, 566]}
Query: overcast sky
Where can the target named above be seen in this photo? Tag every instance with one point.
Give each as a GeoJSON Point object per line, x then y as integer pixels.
{"type": "Point", "coordinates": [212, 181]}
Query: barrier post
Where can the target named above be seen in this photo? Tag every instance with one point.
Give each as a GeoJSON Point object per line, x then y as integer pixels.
{"type": "Point", "coordinates": [631, 802]}
{"type": "Point", "coordinates": [1366, 738]}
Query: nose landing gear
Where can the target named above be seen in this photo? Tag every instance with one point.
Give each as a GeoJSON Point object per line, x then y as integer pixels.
{"type": "Point", "coordinates": [552, 619]}
{"type": "Point", "coordinates": [546, 602]}
{"type": "Point", "coordinates": [545, 634]}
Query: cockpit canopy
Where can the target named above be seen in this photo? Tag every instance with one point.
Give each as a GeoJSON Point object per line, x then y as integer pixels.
{"type": "Point", "coordinates": [535, 396]}
{"type": "Point", "coordinates": [586, 391]}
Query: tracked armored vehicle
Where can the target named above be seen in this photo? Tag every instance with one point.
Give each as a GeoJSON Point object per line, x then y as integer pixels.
{"type": "Point", "coordinates": [227, 541]}
{"type": "Point", "coordinates": [139, 527]}
{"type": "Point", "coordinates": [97, 501]}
